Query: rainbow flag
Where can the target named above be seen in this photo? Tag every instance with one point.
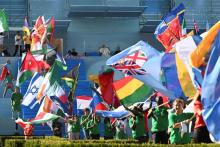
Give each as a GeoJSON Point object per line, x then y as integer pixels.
{"type": "Point", "coordinates": [130, 90]}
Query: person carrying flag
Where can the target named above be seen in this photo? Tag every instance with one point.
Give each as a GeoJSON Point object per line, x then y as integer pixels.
{"type": "Point", "coordinates": [7, 77]}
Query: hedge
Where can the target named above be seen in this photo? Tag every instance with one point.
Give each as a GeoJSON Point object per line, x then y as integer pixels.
{"type": "Point", "coordinates": [57, 142]}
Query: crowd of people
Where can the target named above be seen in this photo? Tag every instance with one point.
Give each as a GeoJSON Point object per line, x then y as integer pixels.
{"type": "Point", "coordinates": [169, 125]}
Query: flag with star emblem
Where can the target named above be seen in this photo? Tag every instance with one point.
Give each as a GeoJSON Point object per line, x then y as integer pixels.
{"type": "Point", "coordinates": [30, 95]}
{"type": "Point", "coordinates": [28, 67]}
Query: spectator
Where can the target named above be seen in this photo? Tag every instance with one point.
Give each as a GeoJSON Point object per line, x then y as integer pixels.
{"type": "Point", "coordinates": [69, 54]}
{"type": "Point", "coordinates": [83, 122]}
{"type": "Point", "coordinates": [118, 50]}
{"type": "Point", "coordinates": [201, 133]}
{"type": "Point", "coordinates": [104, 51]}
{"type": "Point", "coordinates": [18, 40]}
{"type": "Point", "coordinates": [177, 123]}
{"type": "Point", "coordinates": [7, 76]}
{"type": "Point", "coordinates": [1, 41]}
{"type": "Point", "coordinates": [159, 122]}
{"type": "Point", "coordinates": [74, 52]}
{"type": "Point", "coordinates": [27, 42]}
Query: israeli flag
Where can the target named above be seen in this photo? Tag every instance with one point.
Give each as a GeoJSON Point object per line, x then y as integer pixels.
{"type": "Point", "coordinates": [30, 95]}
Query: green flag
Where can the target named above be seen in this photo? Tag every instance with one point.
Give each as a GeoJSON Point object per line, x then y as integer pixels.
{"type": "Point", "coordinates": [3, 21]}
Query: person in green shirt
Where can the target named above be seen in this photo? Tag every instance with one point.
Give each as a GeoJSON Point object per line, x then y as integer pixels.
{"type": "Point", "coordinates": [177, 123]}
{"type": "Point", "coordinates": [83, 122]}
{"type": "Point", "coordinates": [73, 128]}
{"type": "Point", "coordinates": [120, 133]}
{"type": "Point", "coordinates": [93, 127]}
{"type": "Point", "coordinates": [137, 124]}
{"type": "Point", "coordinates": [16, 99]}
{"type": "Point", "coordinates": [109, 131]}
{"type": "Point", "coordinates": [159, 122]}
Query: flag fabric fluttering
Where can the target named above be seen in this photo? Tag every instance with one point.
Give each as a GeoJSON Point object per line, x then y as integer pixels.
{"type": "Point", "coordinates": [183, 27]}
{"type": "Point", "coordinates": [97, 102]}
{"type": "Point", "coordinates": [177, 77]}
{"type": "Point", "coordinates": [25, 27]}
{"type": "Point", "coordinates": [71, 79]}
{"type": "Point", "coordinates": [52, 81]}
{"type": "Point", "coordinates": [184, 48]}
{"type": "Point", "coordinates": [5, 72]}
{"type": "Point", "coordinates": [152, 65]}
{"type": "Point", "coordinates": [197, 57]}
{"type": "Point", "coordinates": [43, 117]}
{"type": "Point", "coordinates": [30, 95]}
{"type": "Point", "coordinates": [169, 31]}
{"type": "Point", "coordinates": [106, 87]}
{"type": "Point", "coordinates": [210, 96]}
{"type": "Point", "coordinates": [3, 21]}
{"type": "Point", "coordinates": [120, 112]}
{"type": "Point", "coordinates": [30, 65]}
{"type": "Point", "coordinates": [130, 90]}
{"type": "Point", "coordinates": [50, 29]}
{"type": "Point", "coordinates": [133, 60]}
{"type": "Point", "coordinates": [39, 35]}
{"type": "Point", "coordinates": [83, 101]}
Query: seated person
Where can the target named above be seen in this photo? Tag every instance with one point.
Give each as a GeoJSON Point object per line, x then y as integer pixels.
{"type": "Point", "coordinates": [74, 52]}
{"type": "Point", "coordinates": [104, 51]}
{"type": "Point", "coordinates": [118, 50]}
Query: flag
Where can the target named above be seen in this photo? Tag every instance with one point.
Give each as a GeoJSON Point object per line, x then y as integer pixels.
{"type": "Point", "coordinates": [196, 29]}
{"type": "Point", "coordinates": [21, 122]}
{"type": "Point", "coordinates": [184, 48]}
{"type": "Point", "coordinates": [83, 101]}
{"type": "Point", "coordinates": [71, 79]}
{"type": "Point", "coordinates": [52, 81]}
{"type": "Point", "coordinates": [120, 112]}
{"type": "Point", "coordinates": [29, 65]}
{"type": "Point", "coordinates": [183, 27]}
{"type": "Point", "coordinates": [25, 27]}
{"type": "Point", "coordinates": [211, 91]}
{"type": "Point", "coordinates": [168, 32]}
{"type": "Point", "coordinates": [197, 57]}
{"type": "Point", "coordinates": [43, 117]}
{"type": "Point", "coordinates": [3, 21]}
{"type": "Point", "coordinates": [177, 77]}
{"type": "Point", "coordinates": [50, 29]}
{"type": "Point", "coordinates": [48, 106]}
{"type": "Point", "coordinates": [30, 95]}
{"type": "Point", "coordinates": [132, 60]}
{"type": "Point", "coordinates": [130, 90]}
{"type": "Point", "coordinates": [106, 87]}
{"type": "Point", "coordinates": [39, 35]}
{"type": "Point", "coordinates": [152, 65]}
{"type": "Point", "coordinates": [97, 102]}
{"type": "Point", "coordinates": [171, 35]}
{"type": "Point", "coordinates": [5, 72]}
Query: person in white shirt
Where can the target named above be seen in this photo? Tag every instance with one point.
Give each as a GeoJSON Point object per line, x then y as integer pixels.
{"type": "Point", "coordinates": [104, 51]}
{"type": "Point", "coordinates": [18, 42]}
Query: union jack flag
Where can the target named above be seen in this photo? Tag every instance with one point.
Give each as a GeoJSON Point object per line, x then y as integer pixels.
{"type": "Point", "coordinates": [129, 67]}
